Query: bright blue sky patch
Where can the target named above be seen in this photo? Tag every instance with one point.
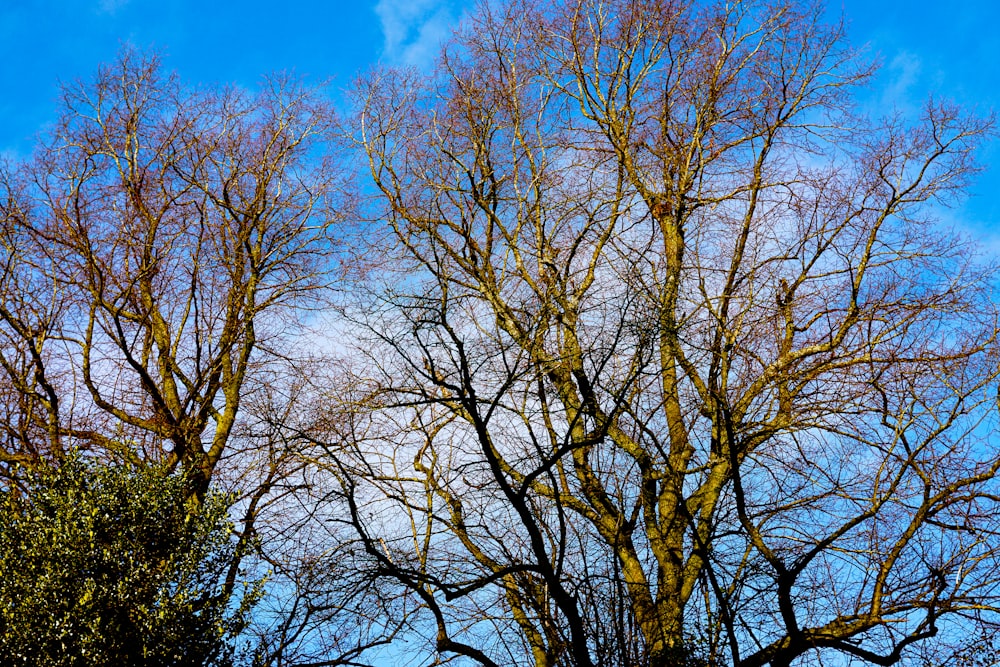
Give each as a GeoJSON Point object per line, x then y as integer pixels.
{"type": "Point", "coordinates": [948, 50]}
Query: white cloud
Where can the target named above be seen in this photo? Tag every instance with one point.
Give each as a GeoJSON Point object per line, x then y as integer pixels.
{"type": "Point", "coordinates": [904, 74]}
{"type": "Point", "coordinates": [414, 29]}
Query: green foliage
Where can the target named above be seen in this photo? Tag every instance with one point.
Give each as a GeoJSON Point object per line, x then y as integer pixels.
{"type": "Point", "coordinates": [693, 651]}
{"type": "Point", "coordinates": [111, 565]}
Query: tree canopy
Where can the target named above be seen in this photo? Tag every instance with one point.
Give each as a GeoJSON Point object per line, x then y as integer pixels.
{"type": "Point", "coordinates": [651, 350]}
{"type": "Point", "coordinates": [675, 346]}
{"type": "Point", "coordinates": [111, 565]}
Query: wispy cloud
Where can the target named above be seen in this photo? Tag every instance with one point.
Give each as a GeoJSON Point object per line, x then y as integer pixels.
{"type": "Point", "coordinates": [111, 6]}
{"type": "Point", "coordinates": [414, 29]}
{"type": "Point", "coordinates": [903, 72]}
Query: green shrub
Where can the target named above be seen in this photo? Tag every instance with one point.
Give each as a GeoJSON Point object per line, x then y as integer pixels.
{"type": "Point", "coordinates": [111, 565]}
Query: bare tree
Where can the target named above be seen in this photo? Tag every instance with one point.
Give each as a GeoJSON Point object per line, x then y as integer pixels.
{"type": "Point", "coordinates": [160, 254]}
{"type": "Point", "coordinates": [324, 608]}
{"type": "Point", "coordinates": [168, 233]}
{"type": "Point", "coordinates": [671, 346]}
{"type": "Point", "coordinates": [30, 313]}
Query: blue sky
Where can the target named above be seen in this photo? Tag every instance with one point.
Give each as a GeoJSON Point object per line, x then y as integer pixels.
{"type": "Point", "coordinates": [951, 50]}
{"type": "Point", "coordinates": [205, 41]}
